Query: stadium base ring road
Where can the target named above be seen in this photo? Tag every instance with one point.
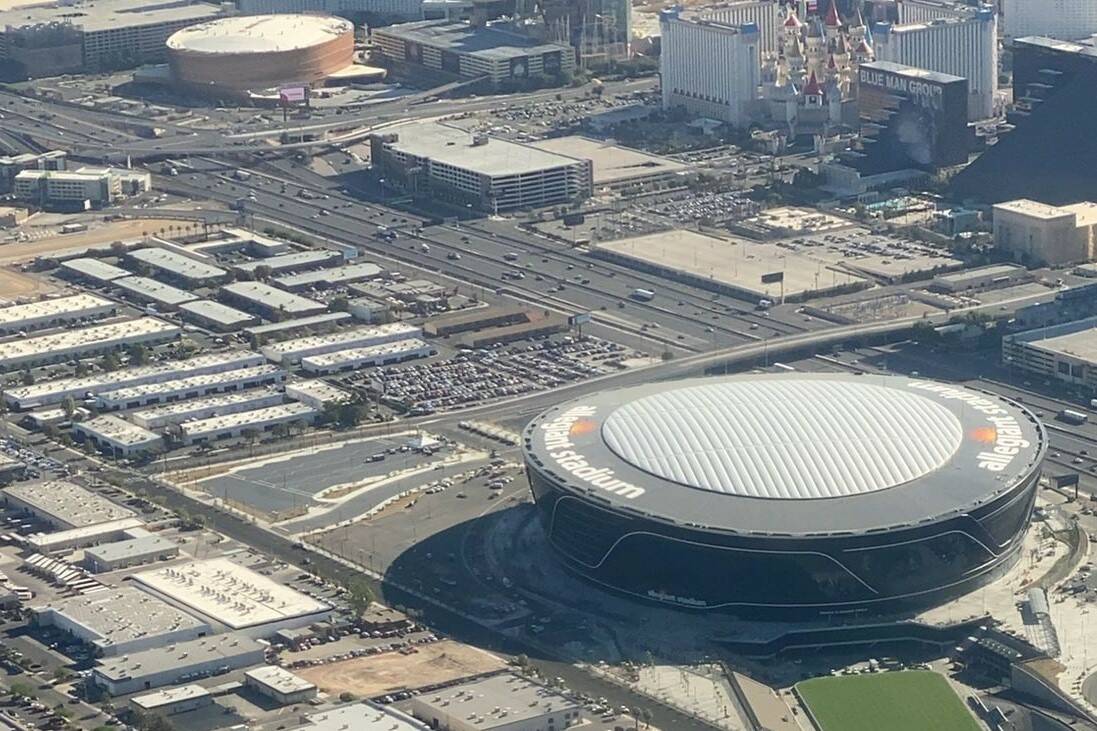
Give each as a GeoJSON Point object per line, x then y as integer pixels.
{"type": "Point", "coordinates": [797, 494]}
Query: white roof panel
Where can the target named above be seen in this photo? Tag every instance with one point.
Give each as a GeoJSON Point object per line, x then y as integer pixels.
{"type": "Point", "coordinates": [786, 439]}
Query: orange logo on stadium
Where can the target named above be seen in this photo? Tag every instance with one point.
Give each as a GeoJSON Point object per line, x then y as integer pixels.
{"type": "Point", "coordinates": [583, 426]}
{"type": "Point", "coordinates": [985, 434]}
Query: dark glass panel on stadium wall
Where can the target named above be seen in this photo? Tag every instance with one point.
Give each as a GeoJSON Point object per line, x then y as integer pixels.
{"type": "Point", "coordinates": [645, 563]}
{"type": "Point", "coordinates": [1003, 525]}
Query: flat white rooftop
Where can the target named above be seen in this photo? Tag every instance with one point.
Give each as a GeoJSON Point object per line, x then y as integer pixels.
{"type": "Point", "coordinates": [84, 338]}
{"type": "Point", "coordinates": [495, 701]}
{"type": "Point", "coordinates": [272, 298]}
{"type": "Point", "coordinates": [216, 312]}
{"type": "Point", "coordinates": [75, 306]}
{"type": "Point", "coordinates": [317, 389]}
{"type": "Point", "coordinates": [181, 409]}
{"type": "Point", "coordinates": [330, 341]}
{"type": "Point", "coordinates": [117, 430]}
{"type": "Point", "coordinates": [151, 289]}
{"type": "Point", "coordinates": [335, 275]}
{"type": "Point", "coordinates": [177, 264]}
{"type": "Point", "coordinates": [122, 615]}
{"type": "Point", "coordinates": [279, 679]}
{"type": "Point", "coordinates": [132, 547]}
{"type": "Point", "coordinates": [68, 503]}
{"type": "Point", "coordinates": [339, 358]}
{"type": "Point", "coordinates": [46, 542]}
{"type": "Point", "coordinates": [204, 380]}
{"type": "Point", "coordinates": [244, 419]}
{"type": "Point", "coordinates": [229, 593]}
{"type": "Point", "coordinates": [361, 717]}
{"type": "Point", "coordinates": [454, 146]}
{"type": "Point", "coordinates": [259, 34]}
{"type": "Point", "coordinates": [94, 269]}
{"type": "Point", "coordinates": [293, 260]}
{"type": "Point", "coordinates": [169, 696]}
{"type": "Point", "coordinates": [190, 653]}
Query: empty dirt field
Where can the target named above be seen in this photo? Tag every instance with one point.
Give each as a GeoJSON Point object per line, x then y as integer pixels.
{"type": "Point", "coordinates": [15, 284]}
{"type": "Point", "coordinates": [375, 675]}
{"type": "Point", "coordinates": [96, 235]}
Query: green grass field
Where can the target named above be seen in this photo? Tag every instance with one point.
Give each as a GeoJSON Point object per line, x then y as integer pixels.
{"type": "Point", "coordinates": [912, 700]}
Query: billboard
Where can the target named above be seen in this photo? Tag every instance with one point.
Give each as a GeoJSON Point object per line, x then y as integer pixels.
{"type": "Point", "coordinates": [912, 118]}
{"type": "Point", "coordinates": [293, 94]}
{"type": "Point", "coordinates": [773, 277]}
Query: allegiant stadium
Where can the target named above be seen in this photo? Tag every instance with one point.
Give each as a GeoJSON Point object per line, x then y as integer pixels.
{"type": "Point", "coordinates": [791, 493]}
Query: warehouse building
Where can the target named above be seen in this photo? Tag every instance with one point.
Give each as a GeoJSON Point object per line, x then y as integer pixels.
{"type": "Point", "coordinates": [233, 597]}
{"type": "Point", "coordinates": [89, 535]}
{"type": "Point", "coordinates": [367, 357]}
{"type": "Point", "coordinates": [325, 278]}
{"type": "Point", "coordinates": [216, 316]}
{"type": "Point", "coordinates": [1046, 235]}
{"type": "Point", "coordinates": [289, 352]}
{"type": "Point", "coordinates": [994, 275]}
{"type": "Point", "coordinates": [200, 408]}
{"type": "Point", "coordinates": [178, 268]}
{"type": "Point", "coordinates": [1066, 352]}
{"type": "Point", "coordinates": [296, 261]}
{"type": "Point", "coordinates": [477, 319]}
{"type": "Point", "coordinates": [239, 239]}
{"type": "Point", "coordinates": [280, 685]}
{"type": "Point", "coordinates": [88, 269]}
{"type": "Point", "coordinates": [488, 173]}
{"type": "Point", "coordinates": [363, 716]}
{"type": "Point", "coordinates": [80, 388]}
{"type": "Point", "coordinates": [117, 437]}
{"type": "Point", "coordinates": [131, 552]}
{"type": "Point", "coordinates": [52, 312]}
{"type": "Point", "coordinates": [502, 702]}
{"type": "Point", "coordinates": [144, 289]}
{"type": "Point", "coordinates": [62, 504]}
{"type": "Point", "coordinates": [300, 326]}
{"type": "Point", "coordinates": [181, 662]}
{"type": "Point", "coordinates": [471, 51]}
{"type": "Point", "coordinates": [10, 469]}
{"type": "Point", "coordinates": [120, 621]}
{"type": "Point", "coordinates": [83, 343]}
{"type": "Point", "coordinates": [225, 426]}
{"type": "Point", "coordinates": [50, 39]}
{"type": "Point", "coordinates": [316, 393]}
{"type": "Point", "coordinates": [369, 310]}
{"type": "Point", "coordinates": [145, 394]}
{"type": "Point", "coordinates": [171, 701]}
{"type": "Point", "coordinates": [271, 302]}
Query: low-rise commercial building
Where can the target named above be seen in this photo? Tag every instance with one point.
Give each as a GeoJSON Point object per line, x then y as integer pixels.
{"type": "Point", "coordinates": [120, 621]}
{"type": "Point", "coordinates": [233, 597]}
{"type": "Point", "coordinates": [271, 302]}
{"type": "Point", "coordinates": [280, 685]}
{"type": "Point", "coordinates": [179, 268]}
{"type": "Point", "coordinates": [144, 289]}
{"type": "Point", "coordinates": [1037, 233]}
{"type": "Point", "coordinates": [181, 662]}
{"type": "Point", "coordinates": [297, 261]}
{"type": "Point", "coordinates": [369, 310]}
{"type": "Point", "coordinates": [89, 535]}
{"type": "Point", "coordinates": [45, 393]}
{"type": "Point", "coordinates": [289, 352]}
{"type": "Point", "coordinates": [130, 552]}
{"type": "Point", "coordinates": [12, 165]}
{"type": "Point", "coordinates": [496, 703]}
{"type": "Point", "coordinates": [226, 426]}
{"type": "Point", "coordinates": [117, 437]}
{"type": "Point", "coordinates": [313, 325]}
{"type": "Point", "coordinates": [488, 173]}
{"type": "Point", "coordinates": [192, 409]}
{"type": "Point", "coordinates": [171, 701]}
{"type": "Point", "coordinates": [316, 393]}
{"type": "Point", "coordinates": [133, 397]}
{"type": "Point", "coordinates": [361, 717]}
{"type": "Point", "coordinates": [83, 343]}
{"type": "Point", "coordinates": [995, 275]}
{"type": "Point", "coordinates": [367, 357]}
{"type": "Point", "coordinates": [89, 269]}
{"type": "Point", "coordinates": [1066, 352]}
{"type": "Point", "coordinates": [51, 312]}
{"type": "Point", "coordinates": [472, 51]}
{"type": "Point", "coordinates": [216, 316]}
{"type": "Point", "coordinates": [97, 186]}
{"type": "Point", "coordinates": [63, 504]}
{"type": "Point", "coordinates": [324, 278]}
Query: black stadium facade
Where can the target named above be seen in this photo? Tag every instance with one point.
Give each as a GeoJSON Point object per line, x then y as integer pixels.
{"type": "Point", "coordinates": [794, 494]}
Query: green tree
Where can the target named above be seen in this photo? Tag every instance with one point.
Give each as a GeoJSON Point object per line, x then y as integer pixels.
{"type": "Point", "coordinates": [139, 354]}
{"type": "Point", "coordinates": [26, 377]}
{"type": "Point", "coordinates": [109, 362]}
{"type": "Point", "coordinates": [69, 407]}
{"type": "Point", "coordinates": [359, 595]}
{"type": "Point", "coordinates": [262, 272]}
{"type": "Point", "coordinates": [339, 304]}
{"type": "Point", "coordinates": [23, 689]}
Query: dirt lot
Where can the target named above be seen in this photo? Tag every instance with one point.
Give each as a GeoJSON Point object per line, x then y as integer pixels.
{"type": "Point", "coordinates": [375, 675]}
{"type": "Point", "coordinates": [100, 234]}
{"type": "Point", "coordinates": [14, 285]}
